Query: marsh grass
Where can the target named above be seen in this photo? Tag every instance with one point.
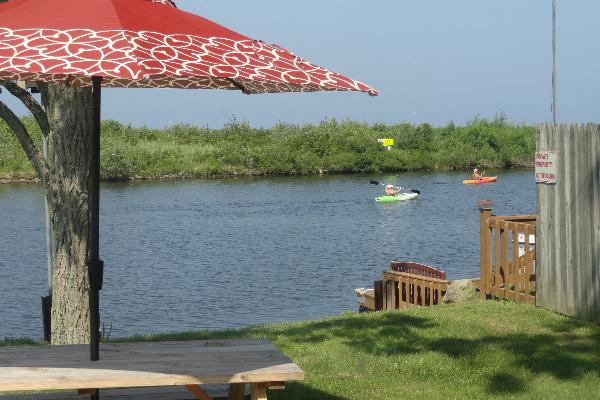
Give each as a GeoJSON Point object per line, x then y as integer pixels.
{"type": "Point", "coordinates": [288, 149]}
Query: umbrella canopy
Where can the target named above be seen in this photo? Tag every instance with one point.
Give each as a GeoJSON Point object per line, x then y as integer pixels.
{"type": "Point", "coordinates": [141, 43]}
{"type": "Point", "coordinates": [147, 43]}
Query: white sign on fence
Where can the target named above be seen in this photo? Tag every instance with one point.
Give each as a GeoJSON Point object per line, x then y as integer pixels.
{"type": "Point", "coordinates": [545, 166]}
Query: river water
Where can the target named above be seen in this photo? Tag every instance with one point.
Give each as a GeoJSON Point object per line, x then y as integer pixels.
{"type": "Point", "coordinates": [211, 254]}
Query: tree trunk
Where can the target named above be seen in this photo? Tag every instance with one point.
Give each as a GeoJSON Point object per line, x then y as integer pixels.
{"type": "Point", "coordinates": [69, 112]}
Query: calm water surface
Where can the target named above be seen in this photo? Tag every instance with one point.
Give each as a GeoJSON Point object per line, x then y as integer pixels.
{"type": "Point", "coordinates": [192, 255]}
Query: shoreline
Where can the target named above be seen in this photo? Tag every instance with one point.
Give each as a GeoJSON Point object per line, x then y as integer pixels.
{"type": "Point", "coordinates": [184, 176]}
{"type": "Point", "coordinates": [6, 181]}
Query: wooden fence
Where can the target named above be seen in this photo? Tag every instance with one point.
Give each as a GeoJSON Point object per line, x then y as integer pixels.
{"type": "Point", "coordinates": [568, 244]}
{"type": "Point", "coordinates": [507, 258]}
{"type": "Point", "coordinates": [409, 285]}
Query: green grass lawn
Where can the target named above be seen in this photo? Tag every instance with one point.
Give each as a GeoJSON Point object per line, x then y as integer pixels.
{"type": "Point", "coordinates": [476, 350]}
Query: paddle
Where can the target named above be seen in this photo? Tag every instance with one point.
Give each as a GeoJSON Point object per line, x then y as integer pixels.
{"type": "Point", "coordinates": [410, 190]}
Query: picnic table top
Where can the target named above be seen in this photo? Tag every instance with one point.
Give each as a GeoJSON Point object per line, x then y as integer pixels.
{"type": "Point", "coordinates": [139, 364]}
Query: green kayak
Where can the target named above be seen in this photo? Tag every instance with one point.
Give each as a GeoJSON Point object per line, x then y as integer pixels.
{"type": "Point", "coordinates": [398, 197]}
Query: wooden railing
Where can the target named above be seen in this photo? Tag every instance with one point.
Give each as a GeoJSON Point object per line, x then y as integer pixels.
{"type": "Point", "coordinates": [409, 285]}
{"type": "Point", "coordinates": [507, 263]}
{"type": "Point", "coordinates": [417, 269]}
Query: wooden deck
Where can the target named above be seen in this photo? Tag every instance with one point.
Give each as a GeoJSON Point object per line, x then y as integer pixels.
{"type": "Point", "coordinates": [127, 365]}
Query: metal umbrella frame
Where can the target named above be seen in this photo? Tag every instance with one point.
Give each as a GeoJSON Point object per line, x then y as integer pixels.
{"type": "Point", "coordinates": [144, 44]}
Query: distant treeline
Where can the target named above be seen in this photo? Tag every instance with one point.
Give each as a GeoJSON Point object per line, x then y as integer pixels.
{"type": "Point", "coordinates": [287, 149]}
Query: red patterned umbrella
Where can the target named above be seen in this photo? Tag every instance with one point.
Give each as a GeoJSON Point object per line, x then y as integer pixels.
{"type": "Point", "coordinates": [146, 43]}
{"type": "Point", "coordinates": [142, 43]}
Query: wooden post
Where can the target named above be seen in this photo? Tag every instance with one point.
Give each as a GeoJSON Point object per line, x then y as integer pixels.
{"type": "Point", "coordinates": [378, 289]}
{"type": "Point", "coordinates": [384, 295]}
{"type": "Point", "coordinates": [485, 251]}
{"type": "Point", "coordinates": [236, 391]}
{"type": "Point", "coordinates": [258, 391]}
{"type": "Point", "coordinates": [504, 237]}
{"type": "Point", "coordinates": [393, 294]}
{"type": "Point", "coordinates": [530, 261]}
{"type": "Point", "coordinates": [497, 262]}
{"type": "Point", "coordinates": [515, 270]}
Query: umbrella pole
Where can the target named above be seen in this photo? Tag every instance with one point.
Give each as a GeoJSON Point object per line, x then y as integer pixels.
{"type": "Point", "coordinates": [95, 265]}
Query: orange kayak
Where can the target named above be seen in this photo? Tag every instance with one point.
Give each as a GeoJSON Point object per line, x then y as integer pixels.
{"type": "Point", "coordinates": [485, 179]}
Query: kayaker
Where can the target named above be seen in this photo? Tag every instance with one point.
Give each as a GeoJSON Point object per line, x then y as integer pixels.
{"type": "Point", "coordinates": [389, 190]}
{"type": "Point", "coordinates": [476, 174]}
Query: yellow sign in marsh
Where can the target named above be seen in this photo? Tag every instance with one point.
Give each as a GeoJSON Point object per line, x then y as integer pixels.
{"type": "Point", "coordinates": [386, 142]}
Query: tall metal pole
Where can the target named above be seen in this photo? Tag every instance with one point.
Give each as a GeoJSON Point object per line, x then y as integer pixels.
{"type": "Point", "coordinates": [47, 300]}
{"type": "Point", "coordinates": [554, 61]}
{"type": "Point", "coordinates": [94, 263]}
{"type": "Point", "coordinates": [48, 226]}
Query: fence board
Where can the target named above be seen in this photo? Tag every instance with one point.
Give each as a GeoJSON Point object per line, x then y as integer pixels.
{"type": "Point", "coordinates": [509, 275]}
{"type": "Point", "coordinates": [516, 264]}
{"type": "Point", "coordinates": [407, 290]}
{"type": "Point", "coordinates": [568, 238]}
{"type": "Point", "coordinates": [595, 160]}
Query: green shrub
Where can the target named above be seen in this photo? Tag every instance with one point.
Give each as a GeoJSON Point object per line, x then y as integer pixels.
{"type": "Point", "coordinates": [331, 146]}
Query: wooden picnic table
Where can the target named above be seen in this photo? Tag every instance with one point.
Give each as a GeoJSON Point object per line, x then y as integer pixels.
{"type": "Point", "coordinates": [149, 364]}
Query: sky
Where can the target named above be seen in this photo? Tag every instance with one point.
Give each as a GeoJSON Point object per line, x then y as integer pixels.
{"type": "Point", "coordinates": [433, 61]}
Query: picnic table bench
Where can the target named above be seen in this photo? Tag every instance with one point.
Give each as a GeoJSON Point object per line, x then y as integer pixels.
{"type": "Point", "coordinates": [146, 365]}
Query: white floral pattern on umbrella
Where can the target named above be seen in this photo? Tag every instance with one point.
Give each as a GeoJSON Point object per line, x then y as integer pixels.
{"type": "Point", "coordinates": [151, 59]}
{"type": "Point", "coordinates": [166, 2]}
